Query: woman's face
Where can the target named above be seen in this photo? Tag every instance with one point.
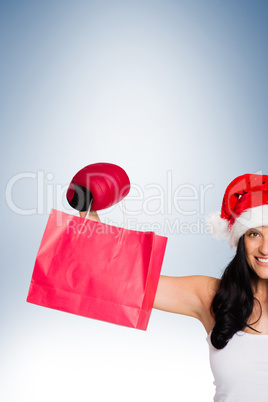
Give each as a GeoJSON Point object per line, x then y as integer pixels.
{"type": "Point", "coordinates": [256, 246]}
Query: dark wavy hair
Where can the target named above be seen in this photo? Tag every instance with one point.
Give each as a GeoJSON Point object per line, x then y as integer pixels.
{"type": "Point", "coordinates": [234, 300]}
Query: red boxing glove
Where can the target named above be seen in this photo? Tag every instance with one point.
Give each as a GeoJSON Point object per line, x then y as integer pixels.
{"type": "Point", "coordinates": [99, 185]}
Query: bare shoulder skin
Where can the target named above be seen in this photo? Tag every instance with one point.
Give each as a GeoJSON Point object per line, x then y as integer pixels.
{"type": "Point", "coordinates": [189, 295]}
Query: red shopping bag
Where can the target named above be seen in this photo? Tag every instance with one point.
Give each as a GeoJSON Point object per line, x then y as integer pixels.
{"type": "Point", "coordinates": [97, 270]}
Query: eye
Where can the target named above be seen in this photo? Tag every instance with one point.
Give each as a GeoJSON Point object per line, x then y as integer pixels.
{"type": "Point", "coordinates": [253, 234]}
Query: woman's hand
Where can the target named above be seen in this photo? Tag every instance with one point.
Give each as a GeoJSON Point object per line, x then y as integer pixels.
{"type": "Point", "coordinates": [93, 215]}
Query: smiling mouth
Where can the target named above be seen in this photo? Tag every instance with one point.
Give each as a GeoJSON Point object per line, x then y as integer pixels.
{"type": "Point", "coordinates": [265, 260]}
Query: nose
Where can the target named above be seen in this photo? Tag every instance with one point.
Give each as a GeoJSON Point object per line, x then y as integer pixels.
{"type": "Point", "coordinates": [263, 248]}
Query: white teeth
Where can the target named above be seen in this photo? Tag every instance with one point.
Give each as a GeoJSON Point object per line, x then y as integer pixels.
{"type": "Point", "coordinates": [262, 259]}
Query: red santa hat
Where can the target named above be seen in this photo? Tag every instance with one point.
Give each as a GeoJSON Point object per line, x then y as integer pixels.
{"type": "Point", "coordinates": [244, 206]}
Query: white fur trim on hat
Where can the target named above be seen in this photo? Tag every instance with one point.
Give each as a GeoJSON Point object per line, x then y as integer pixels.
{"type": "Point", "coordinates": [252, 218]}
{"type": "Point", "coordinates": [217, 226]}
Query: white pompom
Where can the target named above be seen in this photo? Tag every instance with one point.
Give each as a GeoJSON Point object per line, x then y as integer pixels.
{"type": "Point", "coordinates": [217, 226]}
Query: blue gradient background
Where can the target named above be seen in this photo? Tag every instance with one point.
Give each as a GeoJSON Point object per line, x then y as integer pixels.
{"type": "Point", "coordinates": [156, 87]}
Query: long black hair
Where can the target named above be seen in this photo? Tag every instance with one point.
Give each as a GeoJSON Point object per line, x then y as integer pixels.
{"type": "Point", "coordinates": [234, 300]}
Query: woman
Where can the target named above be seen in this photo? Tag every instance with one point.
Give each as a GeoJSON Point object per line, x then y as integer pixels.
{"type": "Point", "coordinates": [233, 310]}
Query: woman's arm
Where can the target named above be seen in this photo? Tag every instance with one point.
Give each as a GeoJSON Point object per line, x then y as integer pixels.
{"type": "Point", "coordinates": [189, 295]}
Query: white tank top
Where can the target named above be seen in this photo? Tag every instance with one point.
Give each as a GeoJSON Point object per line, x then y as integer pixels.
{"type": "Point", "coordinates": [241, 368]}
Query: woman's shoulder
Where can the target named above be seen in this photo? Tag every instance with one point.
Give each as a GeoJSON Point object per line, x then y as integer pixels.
{"type": "Point", "coordinates": [188, 295]}
{"type": "Point", "coordinates": [211, 282]}
{"type": "Point", "coordinates": [207, 288]}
